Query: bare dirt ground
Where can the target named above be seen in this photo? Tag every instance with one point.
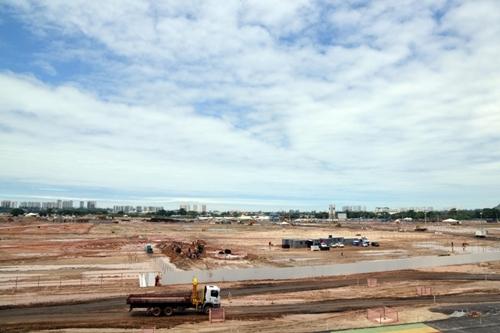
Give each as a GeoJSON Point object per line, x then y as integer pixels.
{"type": "Point", "coordinates": [75, 276]}
{"type": "Point", "coordinates": [112, 312]}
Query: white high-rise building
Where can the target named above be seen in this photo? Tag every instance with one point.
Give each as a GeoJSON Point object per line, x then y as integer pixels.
{"type": "Point", "coordinates": [203, 208]}
{"type": "Point", "coordinates": [356, 208]}
{"type": "Point", "coordinates": [331, 212]}
{"type": "Point", "coordinates": [49, 205]}
{"type": "Point", "coordinates": [123, 209]}
{"type": "Point", "coordinates": [67, 204]}
{"type": "Point", "coordinates": [185, 206]}
{"type": "Point", "coordinates": [30, 204]}
{"type": "Point", "coordinates": [8, 204]}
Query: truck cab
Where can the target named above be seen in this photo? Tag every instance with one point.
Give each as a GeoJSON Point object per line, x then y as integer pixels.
{"type": "Point", "coordinates": [211, 297]}
{"type": "Point", "coordinates": [169, 303]}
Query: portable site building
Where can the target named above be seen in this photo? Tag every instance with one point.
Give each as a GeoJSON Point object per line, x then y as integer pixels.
{"type": "Point", "coordinates": [331, 240]}
{"type": "Point", "coordinates": [287, 243]}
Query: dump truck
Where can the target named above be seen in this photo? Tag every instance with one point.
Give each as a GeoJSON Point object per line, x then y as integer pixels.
{"type": "Point", "coordinates": [157, 304]}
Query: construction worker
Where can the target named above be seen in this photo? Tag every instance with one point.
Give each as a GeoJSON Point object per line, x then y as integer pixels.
{"type": "Point", "coordinates": [157, 280]}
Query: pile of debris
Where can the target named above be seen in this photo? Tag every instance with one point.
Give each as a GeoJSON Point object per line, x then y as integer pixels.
{"type": "Point", "coordinates": [227, 254]}
{"type": "Point", "coordinates": [179, 249]}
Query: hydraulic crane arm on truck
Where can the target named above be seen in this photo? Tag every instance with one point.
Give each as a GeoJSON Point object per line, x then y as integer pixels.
{"type": "Point", "coordinates": [168, 304]}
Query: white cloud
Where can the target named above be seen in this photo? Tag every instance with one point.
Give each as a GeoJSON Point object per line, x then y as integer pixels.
{"type": "Point", "coordinates": [305, 100]}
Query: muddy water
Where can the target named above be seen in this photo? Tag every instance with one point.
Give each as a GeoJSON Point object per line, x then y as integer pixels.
{"type": "Point", "coordinates": [274, 273]}
{"type": "Point", "coordinates": [458, 248]}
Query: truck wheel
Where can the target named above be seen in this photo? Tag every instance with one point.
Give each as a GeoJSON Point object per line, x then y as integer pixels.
{"type": "Point", "coordinates": [168, 311]}
{"type": "Point", "coordinates": [156, 311]}
{"type": "Point", "coordinates": [206, 308]}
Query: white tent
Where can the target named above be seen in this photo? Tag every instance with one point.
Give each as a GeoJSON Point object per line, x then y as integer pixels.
{"type": "Point", "coordinates": [450, 221]}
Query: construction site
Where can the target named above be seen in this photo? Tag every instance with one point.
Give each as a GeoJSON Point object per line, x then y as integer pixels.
{"type": "Point", "coordinates": [61, 276]}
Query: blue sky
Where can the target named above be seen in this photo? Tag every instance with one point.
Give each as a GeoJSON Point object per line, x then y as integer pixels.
{"type": "Point", "coordinates": [252, 104]}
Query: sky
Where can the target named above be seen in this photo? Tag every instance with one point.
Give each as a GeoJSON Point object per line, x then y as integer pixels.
{"type": "Point", "coordinates": [252, 104]}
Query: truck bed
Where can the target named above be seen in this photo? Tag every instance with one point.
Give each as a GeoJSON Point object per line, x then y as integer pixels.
{"type": "Point", "coordinates": [146, 300]}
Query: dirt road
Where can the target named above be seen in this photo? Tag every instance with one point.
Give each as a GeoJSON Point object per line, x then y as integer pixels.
{"type": "Point", "coordinates": [352, 280]}
{"type": "Point", "coordinates": [113, 312]}
{"type": "Point", "coordinates": [352, 304]}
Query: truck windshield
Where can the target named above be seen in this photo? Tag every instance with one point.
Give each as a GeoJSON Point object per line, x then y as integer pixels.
{"type": "Point", "coordinates": [214, 293]}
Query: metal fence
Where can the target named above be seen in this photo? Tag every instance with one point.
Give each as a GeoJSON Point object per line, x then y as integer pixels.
{"type": "Point", "coordinates": [424, 291]}
{"type": "Point", "coordinates": [372, 282]}
{"type": "Point", "coordinates": [38, 282]}
{"type": "Point", "coordinates": [382, 315]}
{"type": "Point", "coordinates": [217, 315]}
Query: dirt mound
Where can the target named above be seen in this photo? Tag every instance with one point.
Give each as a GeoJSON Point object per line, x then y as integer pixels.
{"type": "Point", "coordinates": [183, 252]}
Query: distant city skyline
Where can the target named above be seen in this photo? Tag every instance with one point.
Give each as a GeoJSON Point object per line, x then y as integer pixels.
{"type": "Point", "coordinates": [252, 104]}
{"type": "Point", "coordinates": [201, 206]}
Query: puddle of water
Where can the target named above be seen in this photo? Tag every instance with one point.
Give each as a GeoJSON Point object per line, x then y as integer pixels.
{"type": "Point", "coordinates": [218, 230]}
{"type": "Point", "coordinates": [368, 266]}
{"type": "Point", "coordinates": [385, 252]}
{"type": "Point", "coordinates": [458, 248]}
{"type": "Point", "coordinates": [291, 260]}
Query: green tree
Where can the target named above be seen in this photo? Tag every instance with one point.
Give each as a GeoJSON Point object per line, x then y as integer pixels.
{"type": "Point", "coordinates": [17, 212]}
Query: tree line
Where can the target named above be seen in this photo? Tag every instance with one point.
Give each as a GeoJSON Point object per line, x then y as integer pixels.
{"type": "Point", "coordinates": [491, 214]}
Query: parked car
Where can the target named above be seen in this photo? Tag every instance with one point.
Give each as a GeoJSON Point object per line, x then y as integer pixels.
{"type": "Point", "coordinates": [324, 247]}
{"type": "Point", "coordinates": [314, 247]}
{"type": "Point", "coordinates": [355, 242]}
{"type": "Point", "coordinates": [365, 243]}
{"type": "Point", "coordinates": [334, 245]}
{"type": "Point", "coordinates": [482, 233]}
{"type": "Point", "coordinates": [340, 244]}
{"type": "Point", "coordinates": [376, 244]}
